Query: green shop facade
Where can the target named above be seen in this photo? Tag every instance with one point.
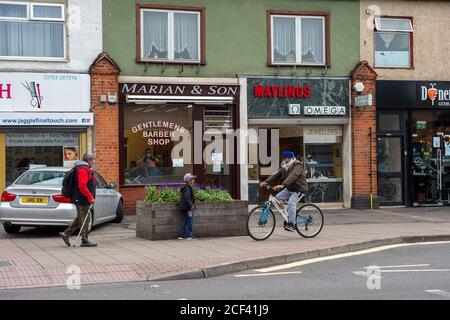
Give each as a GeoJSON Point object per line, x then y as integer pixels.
{"type": "Point", "coordinates": [233, 65]}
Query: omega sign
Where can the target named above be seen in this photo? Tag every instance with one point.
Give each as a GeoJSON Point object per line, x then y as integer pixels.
{"type": "Point", "coordinates": [324, 111]}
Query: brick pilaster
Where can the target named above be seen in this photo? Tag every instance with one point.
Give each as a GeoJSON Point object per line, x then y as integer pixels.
{"type": "Point", "coordinates": [105, 79]}
{"type": "Point", "coordinates": [364, 151]}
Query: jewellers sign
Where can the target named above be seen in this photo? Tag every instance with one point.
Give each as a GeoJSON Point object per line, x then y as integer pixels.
{"type": "Point", "coordinates": [44, 92]}
{"type": "Point", "coordinates": [285, 97]}
{"type": "Point", "coordinates": [322, 134]}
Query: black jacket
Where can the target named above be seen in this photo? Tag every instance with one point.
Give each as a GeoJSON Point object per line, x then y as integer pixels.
{"type": "Point", "coordinates": [187, 200]}
{"type": "Point", "coordinates": [84, 189]}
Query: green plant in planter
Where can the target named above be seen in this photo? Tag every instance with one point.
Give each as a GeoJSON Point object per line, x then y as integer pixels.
{"type": "Point", "coordinates": [169, 195]}
{"type": "Point", "coordinates": [152, 195]}
{"type": "Point", "coordinates": [212, 195]}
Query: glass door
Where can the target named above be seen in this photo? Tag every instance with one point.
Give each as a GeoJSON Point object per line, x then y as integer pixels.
{"type": "Point", "coordinates": [390, 173]}
{"type": "Point", "coordinates": [430, 158]}
{"type": "Point", "coordinates": [218, 168]}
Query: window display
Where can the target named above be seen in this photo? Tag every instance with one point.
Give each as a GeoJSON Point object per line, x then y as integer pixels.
{"type": "Point", "coordinates": [324, 172]}
{"type": "Point", "coordinates": [148, 132]}
{"type": "Point", "coordinates": [23, 150]}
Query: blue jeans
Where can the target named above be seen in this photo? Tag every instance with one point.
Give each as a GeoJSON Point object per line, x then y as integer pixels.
{"type": "Point", "coordinates": [293, 199]}
{"type": "Point", "coordinates": [186, 226]}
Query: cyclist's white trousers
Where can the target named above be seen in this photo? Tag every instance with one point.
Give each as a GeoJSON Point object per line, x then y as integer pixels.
{"type": "Point", "coordinates": [293, 199]}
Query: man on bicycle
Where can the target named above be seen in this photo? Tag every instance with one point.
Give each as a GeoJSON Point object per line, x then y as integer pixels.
{"type": "Point", "coordinates": [293, 186]}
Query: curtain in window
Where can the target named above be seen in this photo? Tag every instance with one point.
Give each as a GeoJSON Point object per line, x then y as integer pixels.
{"type": "Point", "coordinates": [392, 49]}
{"type": "Point", "coordinates": [186, 36]}
{"type": "Point", "coordinates": [47, 12]}
{"type": "Point", "coordinates": [284, 39]}
{"type": "Point", "coordinates": [387, 38]}
{"type": "Point", "coordinates": [312, 40]}
{"type": "Point", "coordinates": [13, 11]}
{"type": "Point", "coordinates": [155, 34]}
{"type": "Point", "coordinates": [32, 39]}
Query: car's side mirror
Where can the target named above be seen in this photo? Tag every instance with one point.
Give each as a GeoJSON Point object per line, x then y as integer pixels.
{"type": "Point", "coordinates": [112, 186]}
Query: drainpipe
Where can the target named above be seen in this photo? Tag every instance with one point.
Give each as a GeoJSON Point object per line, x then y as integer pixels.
{"type": "Point", "coordinates": [370, 167]}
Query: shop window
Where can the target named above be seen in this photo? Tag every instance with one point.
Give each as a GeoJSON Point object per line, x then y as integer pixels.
{"type": "Point", "coordinates": [170, 36]}
{"type": "Point", "coordinates": [324, 172]}
{"type": "Point", "coordinates": [148, 132]}
{"type": "Point", "coordinates": [32, 30]}
{"type": "Point", "coordinates": [299, 40]}
{"type": "Point", "coordinates": [51, 149]}
{"type": "Point", "coordinates": [393, 43]}
{"type": "Point", "coordinates": [388, 122]}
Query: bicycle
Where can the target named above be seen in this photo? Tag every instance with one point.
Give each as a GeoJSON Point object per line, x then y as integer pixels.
{"type": "Point", "coordinates": [261, 220]}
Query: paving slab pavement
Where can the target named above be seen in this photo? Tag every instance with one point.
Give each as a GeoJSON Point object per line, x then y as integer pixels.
{"type": "Point", "coordinates": [37, 257]}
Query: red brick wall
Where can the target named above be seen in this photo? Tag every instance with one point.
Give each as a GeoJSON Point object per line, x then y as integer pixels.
{"type": "Point", "coordinates": [105, 136]}
{"type": "Point", "coordinates": [364, 119]}
{"type": "Point", "coordinates": [130, 196]}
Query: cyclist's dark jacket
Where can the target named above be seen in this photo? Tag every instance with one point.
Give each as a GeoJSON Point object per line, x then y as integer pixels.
{"type": "Point", "coordinates": [187, 198]}
{"type": "Point", "coordinates": [293, 179]}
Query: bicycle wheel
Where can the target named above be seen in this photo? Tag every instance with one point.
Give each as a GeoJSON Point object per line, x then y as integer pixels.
{"type": "Point", "coordinates": [309, 220]}
{"type": "Point", "coordinates": [260, 223]}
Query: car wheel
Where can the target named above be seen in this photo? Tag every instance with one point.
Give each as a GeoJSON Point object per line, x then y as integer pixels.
{"type": "Point", "coordinates": [119, 213]}
{"type": "Point", "coordinates": [12, 228]}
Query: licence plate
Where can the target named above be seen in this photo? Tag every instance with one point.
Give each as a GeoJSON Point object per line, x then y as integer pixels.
{"type": "Point", "coordinates": [34, 200]}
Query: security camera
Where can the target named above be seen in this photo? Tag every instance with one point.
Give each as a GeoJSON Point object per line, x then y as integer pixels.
{"type": "Point", "coordinates": [359, 87]}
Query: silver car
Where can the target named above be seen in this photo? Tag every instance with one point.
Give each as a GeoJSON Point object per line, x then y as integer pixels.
{"type": "Point", "coordinates": [35, 199]}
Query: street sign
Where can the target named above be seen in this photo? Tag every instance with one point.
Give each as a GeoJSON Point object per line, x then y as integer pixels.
{"type": "Point", "coordinates": [364, 101]}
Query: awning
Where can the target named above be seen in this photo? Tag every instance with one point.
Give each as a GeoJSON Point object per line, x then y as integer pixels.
{"type": "Point", "coordinates": [178, 99]}
{"type": "Point", "coordinates": [299, 121]}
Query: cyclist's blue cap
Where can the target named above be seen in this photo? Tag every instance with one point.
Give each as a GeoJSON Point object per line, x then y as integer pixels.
{"type": "Point", "coordinates": [288, 154]}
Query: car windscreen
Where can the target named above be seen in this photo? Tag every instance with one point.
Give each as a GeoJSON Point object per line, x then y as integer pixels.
{"type": "Point", "coordinates": [41, 178]}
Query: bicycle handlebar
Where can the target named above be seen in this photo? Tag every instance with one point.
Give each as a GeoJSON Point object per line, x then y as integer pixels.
{"type": "Point", "coordinates": [271, 189]}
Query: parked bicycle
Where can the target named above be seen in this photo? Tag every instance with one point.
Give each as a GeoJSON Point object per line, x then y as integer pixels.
{"type": "Point", "coordinates": [261, 220]}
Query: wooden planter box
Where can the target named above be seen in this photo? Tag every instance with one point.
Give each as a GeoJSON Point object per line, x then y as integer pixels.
{"type": "Point", "coordinates": [211, 219]}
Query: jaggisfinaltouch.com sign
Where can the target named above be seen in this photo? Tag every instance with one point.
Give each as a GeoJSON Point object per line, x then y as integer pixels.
{"type": "Point", "coordinates": [16, 119]}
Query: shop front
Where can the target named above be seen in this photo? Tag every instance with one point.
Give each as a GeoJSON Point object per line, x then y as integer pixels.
{"type": "Point", "coordinates": [170, 129]}
{"type": "Point", "coordinates": [413, 148]}
{"type": "Point", "coordinates": [309, 116]}
{"type": "Point", "coordinates": [45, 119]}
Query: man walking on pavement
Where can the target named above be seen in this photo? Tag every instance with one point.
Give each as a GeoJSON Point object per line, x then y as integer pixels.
{"type": "Point", "coordinates": [83, 197]}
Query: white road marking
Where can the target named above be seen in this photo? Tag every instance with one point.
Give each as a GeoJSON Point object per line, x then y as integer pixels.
{"type": "Point", "coordinates": [400, 266]}
{"type": "Point", "coordinates": [344, 255]}
{"type": "Point", "coordinates": [266, 274]}
{"type": "Point", "coordinates": [364, 274]}
{"type": "Point", "coordinates": [439, 292]}
{"type": "Point", "coordinates": [416, 270]}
